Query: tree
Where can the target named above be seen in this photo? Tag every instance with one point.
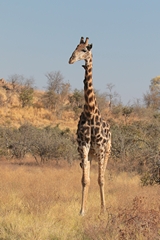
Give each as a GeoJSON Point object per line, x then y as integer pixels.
{"type": "Point", "coordinates": [126, 112]}
{"type": "Point", "coordinates": [152, 97]}
{"type": "Point", "coordinates": [57, 91]}
{"type": "Point", "coordinates": [55, 81]}
{"type": "Point", "coordinates": [101, 100]}
{"type": "Point", "coordinates": [76, 100]}
{"type": "Point", "coordinates": [19, 90]}
{"type": "Point", "coordinates": [16, 81]}
{"type": "Point", "coordinates": [26, 93]}
{"type": "Point", "coordinates": [112, 96]}
{"type": "Point", "coordinates": [155, 84]}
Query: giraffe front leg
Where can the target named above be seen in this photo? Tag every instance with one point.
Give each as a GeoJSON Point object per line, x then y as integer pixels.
{"type": "Point", "coordinates": [85, 179]}
{"type": "Point", "coordinates": [107, 153]}
{"type": "Point", "coordinates": [102, 161]}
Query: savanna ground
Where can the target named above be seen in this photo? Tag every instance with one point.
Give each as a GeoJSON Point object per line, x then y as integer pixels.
{"type": "Point", "coordinates": [43, 203]}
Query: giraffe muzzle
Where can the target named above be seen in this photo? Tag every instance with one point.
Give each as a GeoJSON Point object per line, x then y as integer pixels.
{"type": "Point", "coordinates": [71, 61]}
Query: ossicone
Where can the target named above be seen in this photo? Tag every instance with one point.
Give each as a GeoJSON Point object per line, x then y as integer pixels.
{"type": "Point", "coordinates": [84, 42]}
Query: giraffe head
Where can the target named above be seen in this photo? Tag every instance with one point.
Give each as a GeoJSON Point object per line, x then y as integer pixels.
{"type": "Point", "coordinates": [82, 51]}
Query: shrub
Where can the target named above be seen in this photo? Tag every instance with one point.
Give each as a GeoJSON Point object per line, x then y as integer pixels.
{"type": "Point", "coordinates": [135, 146]}
{"type": "Point", "coordinates": [44, 143]}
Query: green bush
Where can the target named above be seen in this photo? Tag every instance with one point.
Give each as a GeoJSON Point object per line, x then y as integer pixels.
{"type": "Point", "coordinates": [135, 146]}
{"type": "Point", "coordinates": [42, 143]}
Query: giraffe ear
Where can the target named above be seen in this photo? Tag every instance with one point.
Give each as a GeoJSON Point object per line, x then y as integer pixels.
{"type": "Point", "coordinates": [89, 47]}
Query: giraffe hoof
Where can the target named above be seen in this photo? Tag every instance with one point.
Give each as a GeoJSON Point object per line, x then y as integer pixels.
{"type": "Point", "coordinates": [103, 210]}
{"type": "Point", "coordinates": [81, 213]}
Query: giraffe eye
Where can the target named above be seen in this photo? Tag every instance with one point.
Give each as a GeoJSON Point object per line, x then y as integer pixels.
{"type": "Point", "coordinates": [84, 50]}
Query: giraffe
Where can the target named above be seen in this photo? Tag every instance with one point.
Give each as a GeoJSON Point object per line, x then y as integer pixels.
{"type": "Point", "coordinates": [93, 134]}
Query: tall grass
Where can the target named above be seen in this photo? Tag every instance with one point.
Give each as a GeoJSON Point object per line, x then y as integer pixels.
{"type": "Point", "coordinates": [43, 203]}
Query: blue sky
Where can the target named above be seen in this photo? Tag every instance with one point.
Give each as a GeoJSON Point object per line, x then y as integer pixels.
{"type": "Point", "coordinates": [38, 36]}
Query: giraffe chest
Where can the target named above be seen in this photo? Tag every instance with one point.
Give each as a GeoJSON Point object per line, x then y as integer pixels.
{"type": "Point", "coordinates": [94, 133]}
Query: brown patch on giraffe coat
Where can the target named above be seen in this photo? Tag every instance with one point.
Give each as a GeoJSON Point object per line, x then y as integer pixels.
{"type": "Point", "coordinates": [96, 130]}
{"type": "Point", "coordinates": [88, 114]}
{"type": "Point", "coordinates": [89, 77]}
{"type": "Point", "coordinates": [90, 84]}
{"type": "Point", "coordinates": [90, 99]}
{"type": "Point", "coordinates": [89, 91]}
{"type": "Point", "coordinates": [86, 99]}
{"type": "Point", "coordinates": [89, 70]}
{"type": "Point", "coordinates": [96, 111]}
{"type": "Point", "coordinates": [97, 118]}
{"type": "Point", "coordinates": [85, 86]}
{"type": "Point", "coordinates": [92, 121]}
{"type": "Point", "coordinates": [86, 107]}
{"type": "Point", "coordinates": [99, 139]}
{"type": "Point", "coordinates": [91, 108]}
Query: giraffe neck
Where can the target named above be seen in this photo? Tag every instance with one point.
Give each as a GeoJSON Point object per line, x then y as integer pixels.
{"type": "Point", "coordinates": [90, 106]}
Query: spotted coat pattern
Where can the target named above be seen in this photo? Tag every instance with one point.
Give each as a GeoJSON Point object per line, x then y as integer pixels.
{"type": "Point", "coordinates": [93, 133]}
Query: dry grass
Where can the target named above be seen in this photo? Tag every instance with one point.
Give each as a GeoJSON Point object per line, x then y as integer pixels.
{"type": "Point", "coordinates": [39, 117]}
{"type": "Point", "coordinates": [42, 203]}
{"type": "Point", "coordinates": [12, 114]}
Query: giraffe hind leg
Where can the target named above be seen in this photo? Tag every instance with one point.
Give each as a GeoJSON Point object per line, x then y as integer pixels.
{"type": "Point", "coordinates": [85, 179]}
{"type": "Point", "coordinates": [102, 162]}
{"type": "Point", "coordinates": [101, 177]}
